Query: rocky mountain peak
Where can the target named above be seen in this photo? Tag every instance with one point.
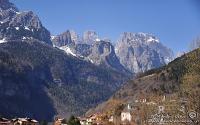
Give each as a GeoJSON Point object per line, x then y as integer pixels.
{"type": "Point", "coordinates": [145, 38]}
{"type": "Point", "coordinates": [28, 19]}
{"type": "Point", "coordinates": [34, 76]}
{"type": "Point", "coordinates": [106, 39]}
{"type": "Point", "coordinates": [104, 47]}
{"type": "Point", "coordinates": [15, 25]}
{"type": "Point", "coordinates": [7, 10]}
{"type": "Point", "coordinates": [139, 52]}
{"type": "Point", "coordinates": [74, 36]}
{"type": "Point", "coordinates": [70, 37]}
{"type": "Point", "coordinates": [5, 4]}
{"type": "Point", "coordinates": [134, 52]}
{"type": "Point", "coordinates": [90, 36]}
{"type": "Point", "coordinates": [103, 53]}
{"type": "Point", "coordinates": [63, 39]}
{"type": "Point", "coordinates": [127, 35]}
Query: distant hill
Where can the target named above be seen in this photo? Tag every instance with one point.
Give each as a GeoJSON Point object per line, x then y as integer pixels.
{"type": "Point", "coordinates": [179, 80]}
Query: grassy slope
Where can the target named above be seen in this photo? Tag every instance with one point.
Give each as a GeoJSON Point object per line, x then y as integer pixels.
{"type": "Point", "coordinates": [179, 79]}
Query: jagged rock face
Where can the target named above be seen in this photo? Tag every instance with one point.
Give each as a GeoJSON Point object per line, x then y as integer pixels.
{"type": "Point", "coordinates": [92, 49]}
{"type": "Point", "coordinates": [40, 81]}
{"type": "Point", "coordinates": [75, 37]}
{"type": "Point", "coordinates": [83, 49]}
{"type": "Point", "coordinates": [133, 52]}
{"type": "Point", "coordinates": [103, 53]}
{"type": "Point", "coordinates": [100, 51]}
{"type": "Point", "coordinates": [7, 9]}
{"type": "Point", "coordinates": [26, 19]}
{"type": "Point", "coordinates": [21, 25]}
{"type": "Point", "coordinates": [63, 39]}
{"type": "Point", "coordinates": [89, 37]}
{"type": "Point", "coordinates": [68, 38]}
{"type": "Point", "coordinates": [140, 52]}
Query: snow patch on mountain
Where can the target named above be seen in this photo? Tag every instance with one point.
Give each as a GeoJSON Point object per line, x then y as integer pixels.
{"type": "Point", "coordinates": [53, 37]}
{"type": "Point", "coordinates": [26, 28]}
{"type": "Point", "coordinates": [17, 12]}
{"type": "Point", "coordinates": [3, 40]}
{"type": "Point", "coordinates": [27, 38]}
{"type": "Point", "coordinates": [97, 40]}
{"type": "Point", "coordinates": [139, 52]}
{"type": "Point", "coordinates": [151, 39]}
{"type": "Point", "coordinates": [179, 54]}
{"type": "Point", "coordinates": [17, 28]}
{"type": "Point", "coordinates": [90, 60]}
{"type": "Point", "coordinates": [67, 50]}
{"type": "Point", "coordinates": [167, 60]}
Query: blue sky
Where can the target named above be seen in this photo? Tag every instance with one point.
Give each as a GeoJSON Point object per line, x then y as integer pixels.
{"type": "Point", "coordinates": [175, 22]}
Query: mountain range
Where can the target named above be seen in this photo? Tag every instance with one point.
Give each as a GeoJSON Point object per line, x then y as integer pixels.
{"type": "Point", "coordinates": [133, 52]}
{"type": "Point", "coordinates": [41, 81]}
{"type": "Point", "coordinates": [42, 75]}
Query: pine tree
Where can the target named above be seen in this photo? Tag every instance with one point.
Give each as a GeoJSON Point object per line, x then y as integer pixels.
{"type": "Point", "coordinates": [73, 121]}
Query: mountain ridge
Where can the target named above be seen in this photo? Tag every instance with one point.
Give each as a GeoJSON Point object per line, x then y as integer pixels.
{"type": "Point", "coordinates": [21, 25]}
{"type": "Point", "coordinates": [69, 74]}
{"type": "Point", "coordinates": [40, 81]}
{"type": "Point", "coordinates": [52, 72]}
{"type": "Point", "coordinates": [136, 52]}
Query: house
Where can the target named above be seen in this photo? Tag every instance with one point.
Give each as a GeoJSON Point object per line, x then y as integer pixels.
{"type": "Point", "coordinates": [93, 118]}
{"type": "Point", "coordinates": [24, 121]}
{"type": "Point", "coordinates": [4, 121]}
{"type": "Point", "coordinates": [126, 114]}
{"type": "Point", "coordinates": [111, 119]}
{"type": "Point", "coordinates": [141, 100]}
{"type": "Point", "coordinates": [151, 103]}
{"type": "Point", "coordinates": [161, 109]}
{"type": "Point", "coordinates": [32, 121]}
{"type": "Point", "coordinates": [59, 121]}
{"type": "Point", "coordinates": [144, 100]}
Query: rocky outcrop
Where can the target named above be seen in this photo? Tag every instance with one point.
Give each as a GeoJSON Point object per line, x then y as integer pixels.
{"type": "Point", "coordinates": [90, 48]}
{"type": "Point", "coordinates": [89, 37]}
{"type": "Point", "coordinates": [63, 39]}
{"type": "Point", "coordinates": [103, 53]}
{"type": "Point", "coordinates": [139, 52]}
{"type": "Point", "coordinates": [21, 25]}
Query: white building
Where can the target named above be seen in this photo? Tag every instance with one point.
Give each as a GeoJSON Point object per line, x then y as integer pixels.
{"type": "Point", "coordinates": [111, 119]}
{"type": "Point", "coordinates": [126, 114]}
{"type": "Point", "coordinates": [161, 109]}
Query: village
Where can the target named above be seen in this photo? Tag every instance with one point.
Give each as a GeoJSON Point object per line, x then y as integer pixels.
{"type": "Point", "coordinates": [144, 111]}
{"type": "Point", "coordinates": [18, 121]}
{"type": "Point", "coordinates": [141, 111]}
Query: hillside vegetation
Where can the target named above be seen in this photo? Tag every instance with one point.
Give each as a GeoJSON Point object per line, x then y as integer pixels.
{"type": "Point", "coordinates": [39, 81]}
{"type": "Point", "coordinates": [179, 81]}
